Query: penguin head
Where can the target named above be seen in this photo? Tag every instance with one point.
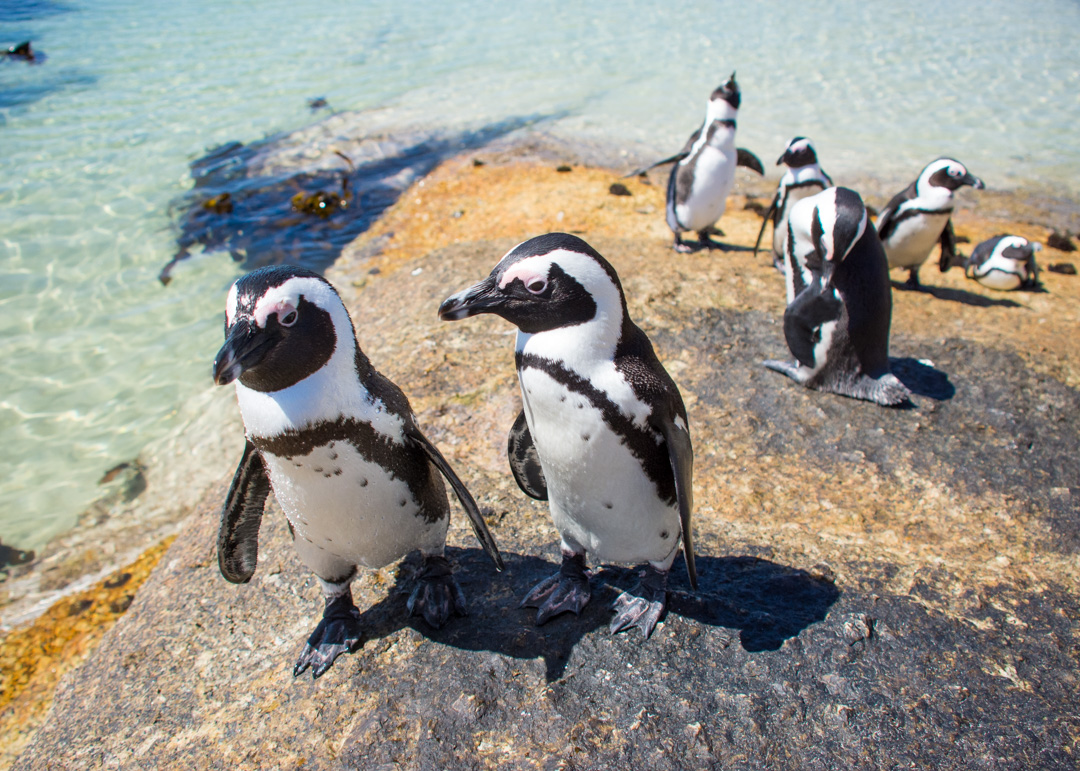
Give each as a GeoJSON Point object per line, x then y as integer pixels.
{"type": "Point", "coordinates": [825, 227]}
{"type": "Point", "coordinates": [282, 324]}
{"type": "Point", "coordinates": [549, 282]}
{"type": "Point", "coordinates": [947, 174]}
{"type": "Point", "coordinates": [724, 101]}
{"type": "Point", "coordinates": [798, 153]}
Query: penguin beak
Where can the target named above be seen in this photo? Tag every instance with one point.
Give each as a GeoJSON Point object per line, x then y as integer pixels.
{"type": "Point", "coordinates": [244, 348]}
{"type": "Point", "coordinates": [484, 297]}
{"type": "Point", "coordinates": [975, 182]}
{"type": "Point", "coordinates": [782, 158]}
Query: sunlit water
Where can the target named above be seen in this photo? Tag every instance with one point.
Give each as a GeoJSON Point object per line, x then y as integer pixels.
{"type": "Point", "coordinates": [95, 355]}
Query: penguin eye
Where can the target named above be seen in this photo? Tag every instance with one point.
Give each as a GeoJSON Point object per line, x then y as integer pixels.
{"type": "Point", "coordinates": [954, 172]}
{"type": "Point", "coordinates": [536, 285]}
{"type": "Point", "coordinates": [288, 319]}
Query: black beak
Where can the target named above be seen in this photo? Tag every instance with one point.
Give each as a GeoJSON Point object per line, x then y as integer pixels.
{"type": "Point", "coordinates": [484, 297]}
{"type": "Point", "coordinates": [782, 158]}
{"type": "Point", "coordinates": [244, 348]}
{"type": "Point", "coordinates": [975, 182]}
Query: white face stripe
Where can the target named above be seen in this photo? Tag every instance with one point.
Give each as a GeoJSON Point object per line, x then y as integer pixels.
{"type": "Point", "coordinates": [922, 186]}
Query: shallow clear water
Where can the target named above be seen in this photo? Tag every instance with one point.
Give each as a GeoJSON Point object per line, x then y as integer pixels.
{"type": "Point", "coordinates": [95, 355]}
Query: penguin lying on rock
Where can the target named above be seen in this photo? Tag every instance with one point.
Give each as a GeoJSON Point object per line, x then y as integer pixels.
{"type": "Point", "coordinates": [839, 300]}
{"type": "Point", "coordinates": [338, 443]}
{"type": "Point", "coordinates": [1004, 262]}
{"type": "Point", "coordinates": [603, 435]}
{"type": "Point", "coordinates": [804, 178]}
{"type": "Point", "coordinates": [920, 216]}
{"type": "Point", "coordinates": [704, 170]}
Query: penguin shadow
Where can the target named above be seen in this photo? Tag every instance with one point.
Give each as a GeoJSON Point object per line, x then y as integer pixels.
{"type": "Point", "coordinates": [922, 379]}
{"type": "Point", "coordinates": [957, 295]}
{"type": "Point", "coordinates": [764, 602]}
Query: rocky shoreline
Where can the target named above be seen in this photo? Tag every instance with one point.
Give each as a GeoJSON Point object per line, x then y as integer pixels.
{"type": "Point", "coordinates": [879, 587]}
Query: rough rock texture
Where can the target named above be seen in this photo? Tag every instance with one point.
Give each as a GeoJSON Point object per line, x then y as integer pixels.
{"type": "Point", "coordinates": [880, 588]}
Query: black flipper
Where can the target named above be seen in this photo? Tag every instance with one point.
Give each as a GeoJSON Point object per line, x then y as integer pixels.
{"type": "Point", "coordinates": [744, 157]}
{"type": "Point", "coordinates": [476, 519]}
{"type": "Point", "coordinates": [764, 222]}
{"type": "Point", "coordinates": [241, 516]}
{"type": "Point", "coordinates": [948, 248]}
{"type": "Point", "coordinates": [524, 460]}
{"type": "Point", "coordinates": [681, 456]}
{"type": "Point", "coordinates": [673, 159]}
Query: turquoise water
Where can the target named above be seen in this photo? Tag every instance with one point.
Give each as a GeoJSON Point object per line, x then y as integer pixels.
{"type": "Point", "coordinates": [96, 142]}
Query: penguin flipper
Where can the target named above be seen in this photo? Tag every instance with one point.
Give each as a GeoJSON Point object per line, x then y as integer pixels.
{"type": "Point", "coordinates": [524, 460]}
{"type": "Point", "coordinates": [673, 159]}
{"type": "Point", "coordinates": [241, 516]}
{"type": "Point", "coordinates": [744, 157]}
{"type": "Point", "coordinates": [948, 248]}
{"type": "Point", "coordinates": [768, 216]}
{"type": "Point", "coordinates": [681, 455]}
{"type": "Point", "coordinates": [476, 519]}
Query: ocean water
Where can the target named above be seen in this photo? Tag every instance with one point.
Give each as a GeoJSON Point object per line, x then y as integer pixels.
{"type": "Point", "coordinates": [97, 141]}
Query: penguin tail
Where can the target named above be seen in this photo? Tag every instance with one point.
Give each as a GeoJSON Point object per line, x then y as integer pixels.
{"type": "Point", "coordinates": [886, 390]}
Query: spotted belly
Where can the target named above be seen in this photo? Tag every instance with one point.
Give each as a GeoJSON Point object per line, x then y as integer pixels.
{"type": "Point", "coordinates": [350, 507]}
{"type": "Point", "coordinates": [600, 497]}
{"type": "Point", "coordinates": [913, 239]}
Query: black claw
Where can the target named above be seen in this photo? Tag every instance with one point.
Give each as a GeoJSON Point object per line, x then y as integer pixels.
{"type": "Point", "coordinates": [338, 632]}
{"type": "Point", "coordinates": [567, 590]}
{"type": "Point", "coordinates": [643, 607]}
{"type": "Point", "coordinates": [437, 593]}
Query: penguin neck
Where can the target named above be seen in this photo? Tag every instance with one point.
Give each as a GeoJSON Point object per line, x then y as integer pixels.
{"type": "Point", "coordinates": [933, 197]}
{"type": "Point", "coordinates": [581, 347]}
{"type": "Point", "coordinates": [339, 389]}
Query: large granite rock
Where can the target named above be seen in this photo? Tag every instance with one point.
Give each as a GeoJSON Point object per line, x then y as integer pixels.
{"type": "Point", "coordinates": [880, 588]}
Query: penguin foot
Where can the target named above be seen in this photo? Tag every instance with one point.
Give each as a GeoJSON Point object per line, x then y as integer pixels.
{"type": "Point", "coordinates": [437, 593]}
{"type": "Point", "coordinates": [913, 280]}
{"type": "Point", "coordinates": [338, 632]}
{"type": "Point", "coordinates": [680, 247]}
{"type": "Point", "coordinates": [567, 590]}
{"type": "Point", "coordinates": [706, 242]}
{"type": "Point", "coordinates": [645, 606]}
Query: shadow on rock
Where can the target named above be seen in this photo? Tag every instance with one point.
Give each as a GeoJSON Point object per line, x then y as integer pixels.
{"type": "Point", "coordinates": [767, 603]}
{"type": "Point", "coordinates": [305, 214]}
{"type": "Point", "coordinates": [923, 379]}
{"type": "Point", "coordinates": [957, 295]}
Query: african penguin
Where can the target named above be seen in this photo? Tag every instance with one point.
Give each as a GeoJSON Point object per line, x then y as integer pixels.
{"type": "Point", "coordinates": [803, 178]}
{"type": "Point", "coordinates": [338, 443]}
{"type": "Point", "coordinates": [839, 300]}
{"type": "Point", "coordinates": [1004, 262]}
{"type": "Point", "coordinates": [603, 434]}
{"type": "Point", "coordinates": [919, 217]}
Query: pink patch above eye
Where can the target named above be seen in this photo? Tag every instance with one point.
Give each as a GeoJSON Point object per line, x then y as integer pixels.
{"type": "Point", "coordinates": [264, 310]}
{"type": "Point", "coordinates": [526, 273]}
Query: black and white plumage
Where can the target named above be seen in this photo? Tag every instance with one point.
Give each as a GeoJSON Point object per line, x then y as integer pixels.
{"type": "Point", "coordinates": [704, 170]}
{"type": "Point", "coordinates": [339, 445]}
{"type": "Point", "coordinates": [919, 217]}
{"type": "Point", "coordinates": [839, 300]}
{"type": "Point", "coordinates": [1004, 262]}
{"type": "Point", "coordinates": [603, 434]}
{"type": "Point", "coordinates": [803, 178]}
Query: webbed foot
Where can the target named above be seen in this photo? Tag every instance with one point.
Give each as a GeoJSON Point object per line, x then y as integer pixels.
{"type": "Point", "coordinates": [681, 247]}
{"type": "Point", "coordinates": [567, 590]}
{"type": "Point", "coordinates": [644, 606]}
{"type": "Point", "coordinates": [338, 632]}
{"type": "Point", "coordinates": [437, 593]}
{"type": "Point", "coordinates": [913, 279]}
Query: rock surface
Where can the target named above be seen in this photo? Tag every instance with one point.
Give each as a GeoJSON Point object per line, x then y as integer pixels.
{"type": "Point", "coordinates": [880, 588]}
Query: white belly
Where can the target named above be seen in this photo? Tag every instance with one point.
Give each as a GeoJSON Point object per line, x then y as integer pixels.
{"type": "Point", "coordinates": [714, 176]}
{"type": "Point", "coordinates": [350, 507]}
{"type": "Point", "coordinates": [912, 240]}
{"type": "Point", "coordinates": [999, 273]}
{"type": "Point", "coordinates": [599, 496]}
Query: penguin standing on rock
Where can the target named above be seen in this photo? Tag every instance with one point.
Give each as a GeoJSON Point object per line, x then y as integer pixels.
{"type": "Point", "coordinates": [1004, 262]}
{"type": "Point", "coordinates": [603, 435]}
{"type": "Point", "coordinates": [920, 216]}
{"type": "Point", "coordinates": [338, 443]}
{"type": "Point", "coordinates": [804, 178]}
{"type": "Point", "coordinates": [839, 301]}
{"type": "Point", "coordinates": [704, 170]}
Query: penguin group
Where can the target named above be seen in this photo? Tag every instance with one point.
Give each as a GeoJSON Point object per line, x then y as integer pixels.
{"type": "Point", "coordinates": [603, 435]}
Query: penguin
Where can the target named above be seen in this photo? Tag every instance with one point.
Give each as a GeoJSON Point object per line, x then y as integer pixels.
{"type": "Point", "coordinates": [804, 178]}
{"type": "Point", "coordinates": [704, 170]}
{"type": "Point", "coordinates": [602, 436]}
{"type": "Point", "coordinates": [919, 217]}
{"type": "Point", "coordinates": [839, 300]}
{"type": "Point", "coordinates": [22, 51]}
{"type": "Point", "coordinates": [1004, 262]}
{"type": "Point", "coordinates": [339, 445]}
